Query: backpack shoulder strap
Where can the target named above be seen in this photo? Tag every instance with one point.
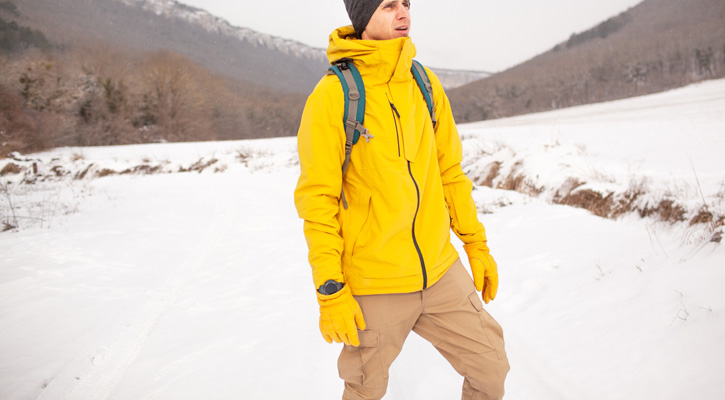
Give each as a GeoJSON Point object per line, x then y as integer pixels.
{"type": "Point", "coordinates": [354, 93]}
{"type": "Point", "coordinates": [421, 77]}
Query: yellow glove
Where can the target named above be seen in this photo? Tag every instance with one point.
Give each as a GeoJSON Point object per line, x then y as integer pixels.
{"type": "Point", "coordinates": [340, 317]}
{"type": "Point", "coordinates": [484, 269]}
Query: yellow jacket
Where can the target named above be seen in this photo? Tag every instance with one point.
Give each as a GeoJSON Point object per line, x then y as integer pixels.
{"type": "Point", "coordinates": [405, 188]}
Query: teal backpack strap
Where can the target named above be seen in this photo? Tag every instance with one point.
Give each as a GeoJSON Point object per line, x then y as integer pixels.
{"type": "Point", "coordinates": [421, 77]}
{"type": "Point", "coordinates": [354, 92]}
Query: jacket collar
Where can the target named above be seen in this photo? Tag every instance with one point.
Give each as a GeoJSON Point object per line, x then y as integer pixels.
{"type": "Point", "coordinates": [379, 61]}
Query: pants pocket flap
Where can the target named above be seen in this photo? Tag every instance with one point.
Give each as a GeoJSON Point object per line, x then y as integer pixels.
{"type": "Point", "coordinates": [476, 301]}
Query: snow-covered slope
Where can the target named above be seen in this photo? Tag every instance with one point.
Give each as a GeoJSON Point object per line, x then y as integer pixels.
{"type": "Point", "coordinates": [128, 279]}
{"type": "Point", "coordinates": [659, 155]}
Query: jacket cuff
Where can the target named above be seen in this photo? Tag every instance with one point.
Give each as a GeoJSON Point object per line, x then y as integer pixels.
{"type": "Point", "coordinates": [333, 298]}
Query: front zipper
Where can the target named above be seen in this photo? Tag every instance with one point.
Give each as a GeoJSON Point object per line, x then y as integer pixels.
{"type": "Point", "coordinates": [395, 112]}
{"type": "Point", "coordinates": [415, 241]}
{"type": "Point", "coordinates": [417, 192]}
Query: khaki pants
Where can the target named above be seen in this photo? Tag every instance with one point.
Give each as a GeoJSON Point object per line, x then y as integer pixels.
{"type": "Point", "coordinates": [450, 315]}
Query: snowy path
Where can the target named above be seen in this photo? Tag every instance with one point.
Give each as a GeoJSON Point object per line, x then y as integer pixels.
{"type": "Point", "coordinates": [101, 378]}
{"type": "Point", "coordinates": [196, 286]}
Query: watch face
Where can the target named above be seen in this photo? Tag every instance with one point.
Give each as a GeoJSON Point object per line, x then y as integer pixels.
{"type": "Point", "coordinates": [330, 287]}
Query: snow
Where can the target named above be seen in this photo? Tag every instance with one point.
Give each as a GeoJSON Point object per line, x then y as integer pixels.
{"type": "Point", "coordinates": [668, 145]}
{"type": "Point", "coordinates": [195, 285]}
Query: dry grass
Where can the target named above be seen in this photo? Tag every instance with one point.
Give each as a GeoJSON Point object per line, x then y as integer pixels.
{"type": "Point", "coordinates": [39, 204]}
{"type": "Point", "coordinates": [666, 210]}
{"type": "Point", "coordinates": [714, 223]}
{"type": "Point", "coordinates": [199, 166]}
{"type": "Point", "coordinates": [11, 168]}
{"type": "Point", "coordinates": [627, 202]}
{"type": "Point", "coordinates": [515, 180]}
{"type": "Point", "coordinates": [574, 193]}
{"type": "Point", "coordinates": [8, 215]}
{"type": "Point", "coordinates": [702, 217]}
{"type": "Point", "coordinates": [596, 203]}
{"type": "Point", "coordinates": [491, 173]}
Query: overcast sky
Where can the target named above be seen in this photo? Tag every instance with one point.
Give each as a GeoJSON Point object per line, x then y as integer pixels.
{"type": "Point", "coordinates": [458, 34]}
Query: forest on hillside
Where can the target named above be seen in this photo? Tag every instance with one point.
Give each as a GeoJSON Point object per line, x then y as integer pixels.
{"type": "Point", "coordinates": [656, 46]}
{"type": "Point", "coordinates": [14, 37]}
{"type": "Point", "coordinates": [93, 93]}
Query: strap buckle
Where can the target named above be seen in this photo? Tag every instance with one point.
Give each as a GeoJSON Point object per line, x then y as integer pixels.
{"type": "Point", "coordinates": [366, 134]}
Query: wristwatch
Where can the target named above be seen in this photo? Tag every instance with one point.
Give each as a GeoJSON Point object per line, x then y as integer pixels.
{"type": "Point", "coordinates": [330, 287]}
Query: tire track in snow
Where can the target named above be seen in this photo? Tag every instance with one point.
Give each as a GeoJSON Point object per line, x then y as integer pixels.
{"type": "Point", "coordinates": [98, 381]}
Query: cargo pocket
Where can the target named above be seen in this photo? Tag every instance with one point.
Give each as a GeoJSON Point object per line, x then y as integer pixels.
{"type": "Point", "coordinates": [491, 329]}
{"type": "Point", "coordinates": [363, 365]}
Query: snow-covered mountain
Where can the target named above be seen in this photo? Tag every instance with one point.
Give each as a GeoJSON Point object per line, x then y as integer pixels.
{"type": "Point", "coordinates": [451, 78]}
{"type": "Point", "coordinates": [211, 41]}
{"type": "Point", "coordinates": [214, 24]}
{"type": "Point", "coordinates": [149, 26]}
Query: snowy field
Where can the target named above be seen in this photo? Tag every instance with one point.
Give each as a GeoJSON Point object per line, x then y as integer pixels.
{"type": "Point", "coordinates": [179, 271]}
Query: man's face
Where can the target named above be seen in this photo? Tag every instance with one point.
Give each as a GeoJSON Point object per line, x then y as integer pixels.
{"type": "Point", "coordinates": [390, 21]}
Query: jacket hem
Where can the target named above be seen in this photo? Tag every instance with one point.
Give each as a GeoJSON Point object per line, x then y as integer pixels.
{"type": "Point", "coordinates": [433, 276]}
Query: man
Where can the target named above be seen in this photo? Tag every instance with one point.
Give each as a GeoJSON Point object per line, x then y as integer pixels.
{"type": "Point", "coordinates": [382, 262]}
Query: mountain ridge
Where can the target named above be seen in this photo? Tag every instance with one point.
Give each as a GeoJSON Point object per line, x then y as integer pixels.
{"type": "Point", "coordinates": [654, 46]}
{"type": "Point", "coordinates": [215, 24]}
{"type": "Point", "coordinates": [154, 25]}
{"type": "Point", "coordinates": [237, 52]}
{"type": "Point", "coordinates": [450, 78]}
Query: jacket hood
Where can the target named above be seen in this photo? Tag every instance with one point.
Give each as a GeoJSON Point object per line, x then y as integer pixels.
{"type": "Point", "coordinates": [386, 60]}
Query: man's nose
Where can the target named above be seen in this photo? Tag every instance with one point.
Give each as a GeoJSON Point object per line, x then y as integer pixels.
{"type": "Point", "coordinates": [403, 13]}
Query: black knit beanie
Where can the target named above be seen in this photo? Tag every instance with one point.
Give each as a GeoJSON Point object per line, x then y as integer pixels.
{"type": "Point", "coordinates": [360, 12]}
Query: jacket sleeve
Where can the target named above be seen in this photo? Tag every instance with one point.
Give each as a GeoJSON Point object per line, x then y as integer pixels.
{"type": "Point", "coordinates": [457, 186]}
{"type": "Point", "coordinates": [320, 144]}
